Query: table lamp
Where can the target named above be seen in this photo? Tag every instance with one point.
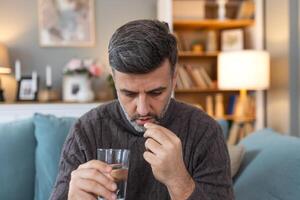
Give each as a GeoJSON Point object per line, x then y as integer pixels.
{"type": "Point", "coordinates": [4, 66]}
{"type": "Point", "coordinates": [243, 70]}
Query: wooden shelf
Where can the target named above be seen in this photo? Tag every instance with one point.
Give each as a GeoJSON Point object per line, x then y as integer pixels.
{"type": "Point", "coordinates": [241, 120]}
{"type": "Point", "coordinates": [212, 24]}
{"type": "Point", "coordinates": [198, 90]}
{"type": "Point", "coordinates": [189, 54]}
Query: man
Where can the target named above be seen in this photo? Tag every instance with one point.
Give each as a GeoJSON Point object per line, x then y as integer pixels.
{"type": "Point", "coordinates": [177, 151]}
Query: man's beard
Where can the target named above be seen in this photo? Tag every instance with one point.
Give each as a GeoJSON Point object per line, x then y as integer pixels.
{"type": "Point", "coordinates": [156, 118]}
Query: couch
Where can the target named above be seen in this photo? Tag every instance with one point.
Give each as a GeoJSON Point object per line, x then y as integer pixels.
{"type": "Point", "coordinates": [30, 151]}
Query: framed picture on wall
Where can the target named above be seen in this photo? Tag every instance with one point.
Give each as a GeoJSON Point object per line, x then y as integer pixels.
{"type": "Point", "coordinates": [232, 40]}
{"type": "Point", "coordinates": [65, 23]}
{"type": "Point", "coordinates": [27, 89]}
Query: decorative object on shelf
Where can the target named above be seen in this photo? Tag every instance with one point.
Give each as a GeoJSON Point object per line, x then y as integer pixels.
{"type": "Point", "coordinates": [18, 70]}
{"type": "Point", "coordinates": [232, 40]}
{"type": "Point", "coordinates": [244, 70]}
{"type": "Point", "coordinates": [28, 88]}
{"type": "Point", "coordinates": [211, 41]}
{"type": "Point", "coordinates": [4, 67]}
{"type": "Point", "coordinates": [197, 48]}
{"type": "Point", "coordinates": [77, 80]}
{"type": "Point", "coordinates": [232, 8]}
{"type": "Point", "coordinates": [221, 9]}
{"type": "Point", "coordinates": [48, 77]}
{"type": "Point", "coordinates": [211, 10]}
{"type": "Point", "coordinates": [246, 10]}
{"type": "Point", "coordinates": [66, 23]}
{"type": "Point", "coordinates": [48, 94]}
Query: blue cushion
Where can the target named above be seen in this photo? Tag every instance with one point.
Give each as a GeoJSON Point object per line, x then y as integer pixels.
{"type": "Point", "coordinates": [17, 147]}
{"type": "Point", "coordinates": [270, 169]}
{"type": "Point", "coordinates": [50, 133]}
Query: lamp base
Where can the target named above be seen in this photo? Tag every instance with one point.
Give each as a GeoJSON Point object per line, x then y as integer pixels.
{"type": "Point", "coordinates": [243, 111]}
{"type": "Point", "coordinates": [1, 95]}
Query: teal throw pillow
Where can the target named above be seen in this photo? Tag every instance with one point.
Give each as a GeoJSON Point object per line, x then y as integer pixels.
{"type": "Point", "coordinates": [50, 133]}
{"type": "Point", "coordinates": [270, 168]}
{"type": "Point", "coordinates": [17, 147]}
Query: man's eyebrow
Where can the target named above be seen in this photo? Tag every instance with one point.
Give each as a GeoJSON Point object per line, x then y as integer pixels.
{"type": "Point", "coordinates": [153, 90]}
{"type": "Point", "coordinates": [127, 91]}
{"type": "Point", "coordinates": [157, 89]}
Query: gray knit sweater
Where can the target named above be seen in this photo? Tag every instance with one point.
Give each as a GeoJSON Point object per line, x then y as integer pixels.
{"type": "Point", "coordinates": [204, 151]}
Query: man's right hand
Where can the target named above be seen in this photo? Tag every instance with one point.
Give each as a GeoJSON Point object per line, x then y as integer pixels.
{"type": "Point", "coordinates": [90, 180]}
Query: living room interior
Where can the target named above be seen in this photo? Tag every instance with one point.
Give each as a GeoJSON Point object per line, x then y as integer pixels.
{"type": "Point", "coordinates": [238, 60]}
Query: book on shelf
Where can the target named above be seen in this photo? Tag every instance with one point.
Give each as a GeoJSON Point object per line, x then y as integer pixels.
{"type": "Point", "coordinates": [179, 84]}
{"type": "Point", "coordinates": [206, 77]}
{"type": "Point", "coordinates": [209, 105]}
{"type": "Point", "coordinates": [219, 106]}
{"type": "Point", "coordinates": [185, 78]}
{"type": "Point", "coordinates": [195, 76]}
{"type": "Point", "coordinates": [231, 104]}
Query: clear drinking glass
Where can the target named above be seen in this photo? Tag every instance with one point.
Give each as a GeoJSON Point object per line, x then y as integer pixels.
{"type": "Point", "coordinates": [119, 160]}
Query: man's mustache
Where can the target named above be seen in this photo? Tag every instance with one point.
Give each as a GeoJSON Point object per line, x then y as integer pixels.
{"type": "Point", "coordinates": [150, 116]}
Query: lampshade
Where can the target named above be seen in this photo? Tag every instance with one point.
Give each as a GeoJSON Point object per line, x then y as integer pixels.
{"type": "Point", "coordinates": [244, 70]}
{"type": "Point", "coordinates": [4, 60]}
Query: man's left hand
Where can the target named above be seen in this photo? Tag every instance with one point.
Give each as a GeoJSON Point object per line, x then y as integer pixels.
{"type": "Point", "coordinates": [164, 154]}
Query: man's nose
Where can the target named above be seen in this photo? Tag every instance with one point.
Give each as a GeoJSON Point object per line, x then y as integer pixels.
{"type": "Point", "coordinates": [143, 106]}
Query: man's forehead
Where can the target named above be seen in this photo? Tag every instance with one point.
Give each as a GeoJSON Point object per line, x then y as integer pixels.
{"type": "Point", "coordinates": [163, 69]}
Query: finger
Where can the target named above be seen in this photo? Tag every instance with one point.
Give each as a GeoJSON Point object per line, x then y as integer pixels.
{"type": "Point", "coordinates": [96, 176]}
{"type": "Point", "coordinates": [90, 186]}
{"type": "Point", "coordinates": [158, 136]}
{"type": "Point", "coordinates": [150, 157]}
{"type": "Point", "coordinates": [162, 129]}
{"type": "Point", "coordinates": [99, 165]}
{"type": "Point", "coordinates": [153, 146]}
{"type": "Point", "coordinates": [96, 164]}
{"type": "Point", "coordinates": [119, 175]}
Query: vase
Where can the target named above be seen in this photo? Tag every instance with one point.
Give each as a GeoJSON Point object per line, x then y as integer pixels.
{"type": "Point", "coordinates": [77, 88]}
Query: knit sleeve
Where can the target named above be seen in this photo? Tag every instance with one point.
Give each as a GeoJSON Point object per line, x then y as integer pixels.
{"type": "Point", "coordinates": [211, 171]}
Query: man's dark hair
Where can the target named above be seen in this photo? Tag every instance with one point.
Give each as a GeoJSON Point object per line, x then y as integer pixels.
{"type": "Point", "coordinates": [141, 46]}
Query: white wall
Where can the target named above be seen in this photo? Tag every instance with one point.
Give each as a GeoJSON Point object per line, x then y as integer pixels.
{"type": "Point", "coordinates": [277, 43]}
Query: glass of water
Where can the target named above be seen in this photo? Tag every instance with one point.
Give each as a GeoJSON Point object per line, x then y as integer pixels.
{"type": "Point", "coordinates": [119, 160]}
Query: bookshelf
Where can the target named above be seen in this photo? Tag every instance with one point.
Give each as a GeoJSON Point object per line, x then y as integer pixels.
{"type": "Point", "coordinates": [193, 26]}
{"type": "Point", "coordinates": [207, 35]}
